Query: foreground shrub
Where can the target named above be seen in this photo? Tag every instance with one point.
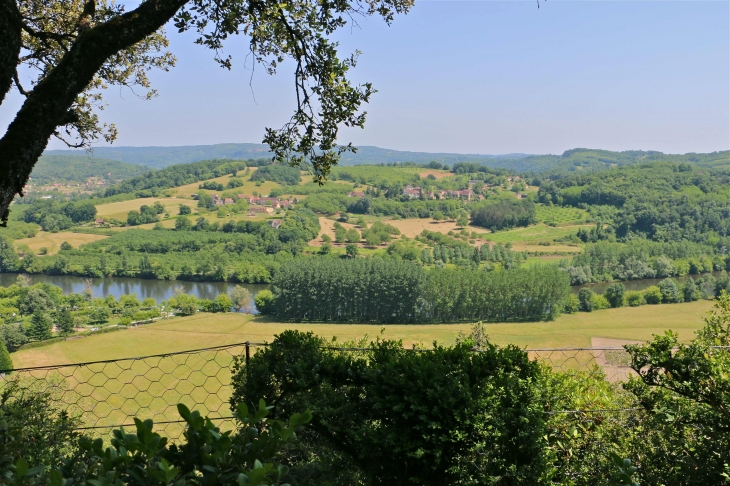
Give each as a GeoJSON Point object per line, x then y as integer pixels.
{"type": "Point", "coordinates": [447, 416]}
{"type": "Point", "coordinates": [206, 456]}
{"type": "Point", "coordinates": [32, 427]}
{"type": "Point", "coordinates": [685, 391]}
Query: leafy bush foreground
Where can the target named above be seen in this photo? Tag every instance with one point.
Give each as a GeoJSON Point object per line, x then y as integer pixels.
{"type": "Point", "coordinates": [470, 414]}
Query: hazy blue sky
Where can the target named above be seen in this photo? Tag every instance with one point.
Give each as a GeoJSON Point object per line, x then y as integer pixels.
{"type": "Point", "coordinates": [480, 77]}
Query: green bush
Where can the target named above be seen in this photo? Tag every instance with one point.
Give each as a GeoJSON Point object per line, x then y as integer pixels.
{"type": "Point", "coordinates": [449, 416]}
{"type": "Point", "coordinates": [652, 295]}
{"type": "Point", "coordinates": [206, 456]}
{"type": "Point", "coordinates": [670, 291]}
{"type": "Point", "coordinates": [572, 304]}
{"type": "Point", "coordinates": [264, 301]}
{"type": "Point", "coordinates": [615, 294]}
{"type": "Point", "coordinates": [683, 390]}
{"type": "Point", "coordinates": [585, 296]}
{"type": "Point", "coordinates": [634, 298]}
{"type": "Point", "coordinates": [599, 302]}
{"type": "Point", "coordinates": [33, 428]}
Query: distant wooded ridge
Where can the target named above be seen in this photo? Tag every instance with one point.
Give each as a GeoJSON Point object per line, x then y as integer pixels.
{"type": "Point", "coordinates": [579, 159]}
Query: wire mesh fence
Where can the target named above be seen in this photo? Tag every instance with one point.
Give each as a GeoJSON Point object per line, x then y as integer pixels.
{"type": "Point", "coordinates": [109, 394]}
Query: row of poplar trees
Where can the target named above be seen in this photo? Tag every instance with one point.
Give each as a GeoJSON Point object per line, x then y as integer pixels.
{"type": "Point", "coordinates": [392, 291]}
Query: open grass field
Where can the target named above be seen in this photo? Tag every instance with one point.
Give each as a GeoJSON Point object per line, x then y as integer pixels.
{"type": "Point", "coordinates": [119, 210]}
{"type": "Point", "coordinates": [533, 234]}
{"type": "Point", "coordinates": [438, 174]}
{"type": "Point", "coordinates": [560, 215]}
{"type": "Point", "coordinates": [111, 393]}
{"type": "Point", "coordinates": [372, 174]}
{"type": "Point", "coordinates": [52, 241]}
{"type": "Point", "coordinates": [205, 330]}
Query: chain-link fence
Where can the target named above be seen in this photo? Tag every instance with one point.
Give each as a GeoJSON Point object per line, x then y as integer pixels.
{"type": "Point", "coordinates": [108, 394]}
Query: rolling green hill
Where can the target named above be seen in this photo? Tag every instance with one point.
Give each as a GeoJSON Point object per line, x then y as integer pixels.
{"type": "Point", "coordinates": [165, 156]}
{"type": "Point", "coordinates": [78, 168]}
{"type": "Point", "coordinates": [570, 162]}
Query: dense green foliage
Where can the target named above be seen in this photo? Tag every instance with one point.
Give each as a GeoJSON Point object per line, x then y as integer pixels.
{"type": "Point", "coordinates": [685, 391]}
{"type": "Point", "coordinates": [581, 160]}
{"type": "Point", "coordinates": [206, 456]}
{"type": "Point", "coordinates": [282, 174]}
{"type": "Point", "coordinates": [392, 416]}
{"type": "Point", "coordinates": [530, 294]}
{"type": "Point", "coordinates": [55, 216]}
{"type": "Point", "coordinates": [376, 290]}
{"type": "Point", "coordinates": [637, 259]}
{"type": "Point", "coordinates": [244, 251]}
{"type": "Point", "coordinates": [357, 290]}
{"type": "Point", "coordinates": [151, 183]}
{"type": "Point", "coordinates": [504, 214]}
{"type": "Point", "coordinates": [53, 168]}
{"type": "Point", "coordinates": [662, 202]}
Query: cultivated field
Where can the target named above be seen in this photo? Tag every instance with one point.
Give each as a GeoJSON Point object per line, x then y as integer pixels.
{"type": "Point", "coordinates": [119, 210]}
{"type": "Point", "coordinates": [205, 330]}
{"type": "Point", "coordinates": [533, 234]}
{"type": "Point", "coordinates": [560, 215]}
{"type": "Point", "coordinates": [52, 241]}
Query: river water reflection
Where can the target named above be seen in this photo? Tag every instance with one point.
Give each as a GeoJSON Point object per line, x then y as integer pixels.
{"type": "Point", "coordinates": [117, 286]}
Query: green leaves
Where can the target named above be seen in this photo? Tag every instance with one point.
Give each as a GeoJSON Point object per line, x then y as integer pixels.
{"type": "Point", "coordinates": [625, 470]}
{"type": "Point", "coordinates": [404, 417]}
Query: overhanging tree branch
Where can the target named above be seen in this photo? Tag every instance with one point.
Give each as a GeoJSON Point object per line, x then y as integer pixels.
{"type": "Point", "coordinates": [48, 104]}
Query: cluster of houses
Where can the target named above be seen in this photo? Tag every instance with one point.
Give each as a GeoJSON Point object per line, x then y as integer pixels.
{"type": "Point", "coordinates": [416, 192]}
{"type": "Point", "coordinates": [257, 204]}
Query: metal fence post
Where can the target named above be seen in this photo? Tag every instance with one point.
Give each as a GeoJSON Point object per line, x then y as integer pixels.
{"type": "Point", "coordinates": [248, 352]}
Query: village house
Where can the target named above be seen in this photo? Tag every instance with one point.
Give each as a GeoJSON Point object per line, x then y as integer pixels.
{"type": "Point", "coordinates": [412, 191]}
{"type": "Point", "coordinates": [228, 200]}
{"type": "Point", "coordinates": [99, 222]}
{"type": "Point", "coordinates": [275, 223]}
{"type": "Point", "coordinates": [260, 209]}
{"type": "Point", "coordinates": [355, 194]}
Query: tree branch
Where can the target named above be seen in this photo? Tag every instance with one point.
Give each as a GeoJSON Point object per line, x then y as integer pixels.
{"type": "Point", "coordinates": [47, 105]}
{"type": "Point", "coordinates": [10, 42]}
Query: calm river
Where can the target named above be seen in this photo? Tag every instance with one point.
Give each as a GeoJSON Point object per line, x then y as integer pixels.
{"type": "Point", "coordinates": [157, 289]}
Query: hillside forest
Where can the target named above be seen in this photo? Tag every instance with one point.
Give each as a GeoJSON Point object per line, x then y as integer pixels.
{"type": "Point", "coordinates": [251, 221]}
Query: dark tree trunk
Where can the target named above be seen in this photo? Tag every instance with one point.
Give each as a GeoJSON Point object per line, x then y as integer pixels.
{"type": "Point", "coordinates": [47, 106]}
{"type": "Point", "coordinates": [10, 27]}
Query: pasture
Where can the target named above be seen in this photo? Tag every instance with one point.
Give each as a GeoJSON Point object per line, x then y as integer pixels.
{"type": "Point", "coordinates": [112, 393]}
{"type": "Point", "coordinates": [560, 215]}
{"type": "Point", "coordinates": [52, 241]}
{"type": "Point", "coordinates": [539, 233]}
{"type": "Point", "coordinates": [119, 210]}
{"type": "Point", "coordinates": [205, 330]}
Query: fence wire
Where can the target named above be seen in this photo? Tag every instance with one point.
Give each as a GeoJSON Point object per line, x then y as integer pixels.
{"type": "Point", "coordinates": [109, 394]}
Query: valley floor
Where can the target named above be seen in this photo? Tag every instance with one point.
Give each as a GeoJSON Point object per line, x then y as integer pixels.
{"type": "Point", "coordinates": [206, 330]}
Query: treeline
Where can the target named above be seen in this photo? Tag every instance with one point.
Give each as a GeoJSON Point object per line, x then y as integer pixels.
{"type": "Point", "coordinates": [247, 251]}
{"type": "Point", "coordinates": [637, 259]}
{"type": "Point", "coordinates": [388, 291]}
{"type": "Point", "coordinates": [332, 203]}
{"type": "Point", "coordinates": [152, 183]}
{"type": "Point", "coordinates": [667, 291]}
{"type": "Point", "coordinates": [53, 215]}
{"type": "Point", "coordinates": [447, 250]}
{"type": "Point", "coordinates": [504, 214]}
{"type": "Point", "coordinates": [659, 201]}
